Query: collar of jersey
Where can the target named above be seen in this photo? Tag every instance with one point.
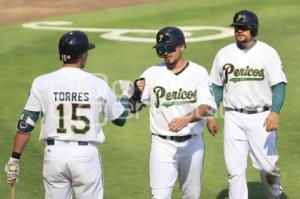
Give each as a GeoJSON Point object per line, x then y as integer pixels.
{"type": "Point", "coordinates": [179, 72]}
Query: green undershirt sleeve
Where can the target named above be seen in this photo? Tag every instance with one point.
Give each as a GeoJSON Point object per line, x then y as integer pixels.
{"type": "Point", "coordinates": [278, 94]}
{"type": "Point", "coordinates": [122, 119]}
{"type": "Point", "coordinates": [218, 94]}
{"type": "Point", "coordinates": [32, 114]}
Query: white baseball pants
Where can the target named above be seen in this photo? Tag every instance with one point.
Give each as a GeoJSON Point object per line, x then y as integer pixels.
{"type": "Point", "coordinates": [72, 169]}
{"type": "Point", "coordinates": [169, 159]}
{"type": "Point", "coordinates": [244, 134]}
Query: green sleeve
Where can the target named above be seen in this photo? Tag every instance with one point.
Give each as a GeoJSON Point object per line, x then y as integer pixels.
{"type": "Point", "coordinates": [32, 114]}
{"type": "Point", "coordinates": [218, 94]}
{"type": "Point", "coordinates": [278, 94]}
{"type": "Point", "coordinates": [122, 119]}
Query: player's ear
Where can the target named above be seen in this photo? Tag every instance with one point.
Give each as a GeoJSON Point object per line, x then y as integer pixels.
{"type": "Point", "coordinates": [83, 56]}
{"type": "Point", "coordinates": [182, 47]}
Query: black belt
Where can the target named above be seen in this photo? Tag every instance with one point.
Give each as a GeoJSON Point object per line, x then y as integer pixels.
{"type": "Point", "coordinates": [52, 142]}
{"type": "Point", "coordinates": [249, 110]}
{"type": "Point", "coordinates": [175, 138]}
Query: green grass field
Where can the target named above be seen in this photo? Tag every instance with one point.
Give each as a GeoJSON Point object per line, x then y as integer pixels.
{"type": "Point", "coordinates": [27, 53]}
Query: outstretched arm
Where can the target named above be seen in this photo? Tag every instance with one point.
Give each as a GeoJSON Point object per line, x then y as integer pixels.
{"type": "Point", "coordinates": [197, 114]}
{"type": "Point", "coordinates": [122, 119]}
{"type": "Point", "coordinates": [127, 90]}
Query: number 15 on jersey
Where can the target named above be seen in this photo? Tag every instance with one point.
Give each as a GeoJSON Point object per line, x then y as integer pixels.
{"type": "Point", "coordinates": [74, 117]}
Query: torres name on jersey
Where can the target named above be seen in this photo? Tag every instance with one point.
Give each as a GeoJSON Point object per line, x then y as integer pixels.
{"type": "Point", "coordinates": [71, 96]}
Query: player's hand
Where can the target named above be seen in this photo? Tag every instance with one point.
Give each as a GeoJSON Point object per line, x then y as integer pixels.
{"type": "Point", "coordinates": [126, 87]}
{"type": "Point", "coordinates": [178, 124]}
{"type": "Point", "coordinates": [140, 83]}
{"type": "Point", "coordinates": [272, 122]}
{"type": "Point", "coordinates": [135, 101]}
{"type": "Point", "coordinates": [12, 169]}
{"type": "Point", "coordinates": [212, 126]}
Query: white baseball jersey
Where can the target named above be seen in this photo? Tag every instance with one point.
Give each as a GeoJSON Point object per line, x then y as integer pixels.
{"type": "Point", "coordinates": [247, 76]}
{"type": "Point", "coordinates": [172, 96]}
{"type": "Point", "coordinates": [71, 102]}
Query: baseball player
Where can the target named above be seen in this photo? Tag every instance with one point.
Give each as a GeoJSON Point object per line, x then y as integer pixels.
{"type": "Point", "coordinates": [248, 76]}
{"type": "Point", "coordinates": [179, 95]}
{"type": "Point", "coordinates": [70, 101]}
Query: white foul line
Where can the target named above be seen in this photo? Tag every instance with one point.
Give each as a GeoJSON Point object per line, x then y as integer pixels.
{"type": "Point", "coordinates": [120, 34]}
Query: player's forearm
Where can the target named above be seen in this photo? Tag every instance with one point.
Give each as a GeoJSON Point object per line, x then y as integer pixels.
{"type": "Point", "coordinates": [278, 94]}
{"type": "Point", "coordinates": [21, 140]}
{"type": "Point", "coordinates": [122, 119]}
{"type": "Point", "coordinates": [218, 94]}
{"type": "Point", "coordinates": [199, 113]}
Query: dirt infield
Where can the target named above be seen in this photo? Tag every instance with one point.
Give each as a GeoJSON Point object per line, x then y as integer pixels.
{"type": "Point", "coordinates": [15, 11]}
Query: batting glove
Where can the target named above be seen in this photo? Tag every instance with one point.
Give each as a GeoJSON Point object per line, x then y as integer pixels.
{"type": "Point", "coordinates": [12, 169]}
{"type": "Point", "coordinates": [126, 87]}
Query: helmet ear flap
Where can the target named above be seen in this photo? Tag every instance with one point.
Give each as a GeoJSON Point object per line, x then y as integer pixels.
{"type": "Point", "coordinates": [253, 32]}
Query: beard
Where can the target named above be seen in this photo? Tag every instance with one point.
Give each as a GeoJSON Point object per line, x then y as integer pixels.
{"type": "Point", "coordinates": [243, 42]}
{"type": "Point", "coordinates": [241, 45]}
{"type": "Point", "coordinates": [171, 62]}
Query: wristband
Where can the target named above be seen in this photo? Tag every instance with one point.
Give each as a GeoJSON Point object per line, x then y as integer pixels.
{"type": "Point", "coordinates": [16, 155]}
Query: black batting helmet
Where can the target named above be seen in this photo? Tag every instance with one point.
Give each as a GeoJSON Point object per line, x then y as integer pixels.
{"type": "Point", "coordinates": [246, 18]}
{"type": "Point", "coordinates": [167, 39]}
{"type": "Point", "coordinates": [72, 45]}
